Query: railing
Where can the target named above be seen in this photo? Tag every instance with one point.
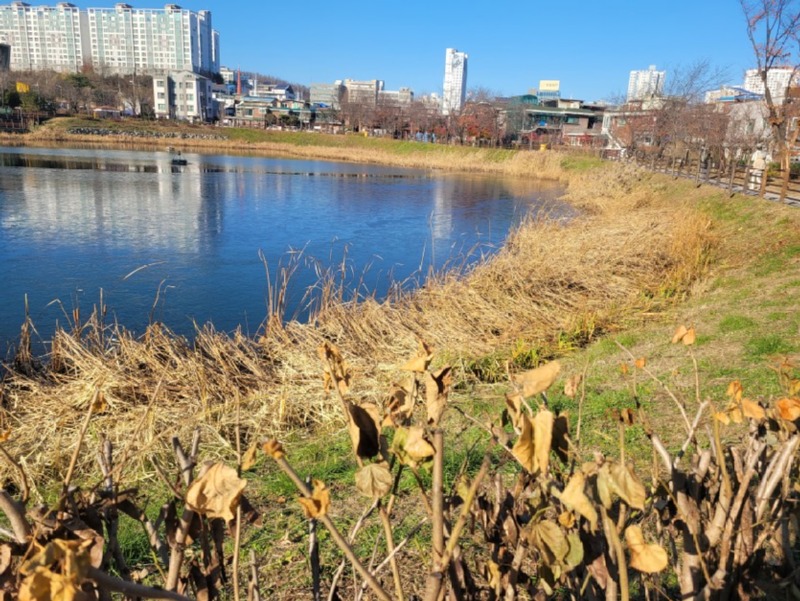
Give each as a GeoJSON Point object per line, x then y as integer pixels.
{"type": "Point", "coordinates": [736, 176]}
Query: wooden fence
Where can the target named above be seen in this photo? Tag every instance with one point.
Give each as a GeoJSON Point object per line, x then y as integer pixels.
{"type": "Point", "coordinates": [734, 177]}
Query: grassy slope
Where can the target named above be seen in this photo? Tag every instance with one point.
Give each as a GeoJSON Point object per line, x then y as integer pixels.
{"type": "Point", "coordinates": [745, 310]}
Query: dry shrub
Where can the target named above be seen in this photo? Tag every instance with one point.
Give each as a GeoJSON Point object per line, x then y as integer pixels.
{"type": "Point", "coordinates": [578, 277]}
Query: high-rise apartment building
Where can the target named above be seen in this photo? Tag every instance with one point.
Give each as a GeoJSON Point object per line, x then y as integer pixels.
{"type": "Point", "coordinates": [778, 81]}
{"type": "Point", "coordinates": [646, 84]}
{"type": "Point", "coordinates": [455, 81]}
{"type": "Point", "coordinates": [122, 39]}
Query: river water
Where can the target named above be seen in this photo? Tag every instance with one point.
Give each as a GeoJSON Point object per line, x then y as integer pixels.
{"type": "Point", "coordinates": [200, 243]}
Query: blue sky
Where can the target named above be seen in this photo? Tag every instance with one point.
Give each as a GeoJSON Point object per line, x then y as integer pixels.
{"type": "Point", "coordinates": [589, 46]}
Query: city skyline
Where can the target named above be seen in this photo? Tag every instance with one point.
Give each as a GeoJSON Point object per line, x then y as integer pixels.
{"type": "Point", "coordinates": [591, 56]}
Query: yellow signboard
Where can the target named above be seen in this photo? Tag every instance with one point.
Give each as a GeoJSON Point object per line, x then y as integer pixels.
{"type": "Point", "coordinates": [23, 88]}
{"type": "Point", "coordinates": [549, 85]}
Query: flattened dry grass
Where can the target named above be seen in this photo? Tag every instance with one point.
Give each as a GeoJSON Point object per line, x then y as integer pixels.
{"type": "Point", "coordinates": [629, 251]}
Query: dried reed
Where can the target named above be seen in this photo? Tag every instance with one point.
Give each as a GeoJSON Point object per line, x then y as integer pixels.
{"type": "Point", "coordinates": [577, 278]}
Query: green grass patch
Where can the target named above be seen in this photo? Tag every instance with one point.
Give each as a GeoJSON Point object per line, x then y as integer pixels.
{"type": "Point", "coordinates": [735, 323]}
{"type": "Point", "coordinates": [765, 346]}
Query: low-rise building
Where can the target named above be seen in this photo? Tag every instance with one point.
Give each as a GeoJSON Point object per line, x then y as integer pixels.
{"type": "Point", "coordinates": [184, 95]}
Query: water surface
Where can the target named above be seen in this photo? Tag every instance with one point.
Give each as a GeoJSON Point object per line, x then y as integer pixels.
{"type": "Point", "coordinates": [194, 244]}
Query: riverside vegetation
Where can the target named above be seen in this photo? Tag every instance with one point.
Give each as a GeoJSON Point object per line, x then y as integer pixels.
{"type": "Point", "coordinates": [535, 427]}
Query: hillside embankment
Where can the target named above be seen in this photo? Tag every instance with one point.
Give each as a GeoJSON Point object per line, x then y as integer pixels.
{"type": "Point", "coordinates": [641, 246]}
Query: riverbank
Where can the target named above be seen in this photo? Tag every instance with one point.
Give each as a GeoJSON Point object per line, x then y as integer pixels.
{"type": "Point", "coordinates": [554, 288]}
{"type": "Point", "coordinates": [603, 294]}
{"type": "Point", "coordinates": [136, 134]}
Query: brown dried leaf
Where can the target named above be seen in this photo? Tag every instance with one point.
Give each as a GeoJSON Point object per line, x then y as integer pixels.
{"type": "Point", "coordinates": [735, 390]}
{"type": "Point", "coordinates": [514, 403]}
{"type": "Point", "coordinates": [624, 369]}
{"type": "Point", "coordinates": [318, 503]}
{"type": "Point", "coordinates": [679, 334]}
{"type": "Point", "coordinates": [274, 449]}
{"type": "Point", "coordinates": [626, 485]}
{"type": "Point", "coordinates": [335, 369]}
{"type": "Point", "coordinates": [645, 557]}
{"type": "Point", "coordinates": [538, 380]}
{"type": "Point", "coordinates": [627, 417]}
{"type": "Point", "coordinates": [56, 572]}
{"type": "Point", "coordinates": [364, 426]}
{"type": "Point", "coordinates": [216, 493]}
{"type": "Point", "coordinates": [752, 409]}
{"type": "Point", "coordinates": [542, 439]}
{"type": "Point", "coordinates": [400, 407]}
{"type": "Point", "coordinates": [374, 480]}
{"type": "Point", "coordinates": [249, 457]}
{"type": "Point", "coordinates": [788, 408]}
{"type": "Point", "coordinates": [549, 539]}
{"type": "Point", "coordinates": [417, 446]}
{"type": "Point", "coordinates": [420, 362]}
{"type": "Point", "coordinates": [523, 448]}
{"type": "Point", "coordinates": [690, 337]}
{"type": "Point", "coordinates": [640, 363]}
{"type": "Point", "coordinates": [575, 499]}
{"type": "Point", "coordinates": [437, 389]}
{"type": "Point", "coordinates": [571, 385]}
{"type": "Point", "coordinates": [722, 417]}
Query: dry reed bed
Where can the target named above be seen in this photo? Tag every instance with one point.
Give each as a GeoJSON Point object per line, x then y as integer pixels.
{"type": "Point", "coordinates": [550, 278]}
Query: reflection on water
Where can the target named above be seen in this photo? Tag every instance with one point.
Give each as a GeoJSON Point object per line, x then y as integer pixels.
{"type": "Point", "coordinates": [182, 244]}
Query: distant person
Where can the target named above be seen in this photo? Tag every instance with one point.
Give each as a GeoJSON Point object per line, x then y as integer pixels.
{"type": "Point", "coordinates": [758, 164]}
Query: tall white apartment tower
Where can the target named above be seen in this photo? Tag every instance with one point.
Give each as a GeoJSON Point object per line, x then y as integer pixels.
{"type": "Point", "coordinates": [646, 83]}
{"type": "Point", "coordinates": [455, 81]}
{"type": "Point", "coordinates": [778, 81]}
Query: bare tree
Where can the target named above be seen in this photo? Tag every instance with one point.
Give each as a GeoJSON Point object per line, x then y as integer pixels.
{"type": "Point", "coordinates": [773, 27]}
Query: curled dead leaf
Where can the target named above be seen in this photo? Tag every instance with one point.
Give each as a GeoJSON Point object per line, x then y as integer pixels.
{"type": "Point", "coordinates": [437, 389]}
{"type": "Point", "coordinates": [374, 480]}
{"type": "Point", "coordinates": [735, 390]}
{"type": "Point", "coordinates": [575, 499]}
{"type": "Point", "coordinates": [216, 493]}
{"type": "Point", "coordinates": [645, 557]}
{"type": "Point", "coordinates": [249, 457]}
{"type": "Point", "coordinates": [274, 449]}
{"type": "Point", "coordinates": [542, 439]}
{"type": "Point", "coordinates": [679, 334]}
{"type": "Point", "coordinates": [411, 446]}
{"type": "Point", "coordinates": [640, 363]}
{"type": "Point", "coordinates": [624, 369]}
{"type": "Point", "coordinates": [788, 408]}
{"type": "Point", "coordinates": [318, 503]}
{"type": "Point", "coordinates": [335, 371]}
{"type": "Point", "coordinates": [420, 362]}
{"type": "Point", "coordinates": [364, 426]}
{"type": "Point", "coordinates": [523, 448]}
{"type": "Point", "coordinates": [56, 571]}
{"type": "Point", "coordinates": [538, 380]}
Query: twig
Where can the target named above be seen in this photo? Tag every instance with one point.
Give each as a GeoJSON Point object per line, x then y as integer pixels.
{"type": "Point", "coordinates": [131, 589]}
{"type": "Point", "coordinates": [74, 460]}
{"type": "Point", "coordinates": [664, 386]}
{"type": "Point", "coordinates": [313, 554]}
{"type": "Point", "coordinates": [237, 542]}
{"type": "Point", "coordinates": [335, 535]}
{"type": "Point", "coordinates": [15, 512]}
{"type": "Point", "coordinates": [387, 531]}
{"type": "Point", "coordinates": [252, 584]}
{"type": "Point", "coordinates": [436, 577]}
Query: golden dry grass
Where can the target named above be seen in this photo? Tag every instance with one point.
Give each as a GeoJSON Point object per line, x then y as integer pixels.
{"type": "Point", "coordinates": [627, 248]}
